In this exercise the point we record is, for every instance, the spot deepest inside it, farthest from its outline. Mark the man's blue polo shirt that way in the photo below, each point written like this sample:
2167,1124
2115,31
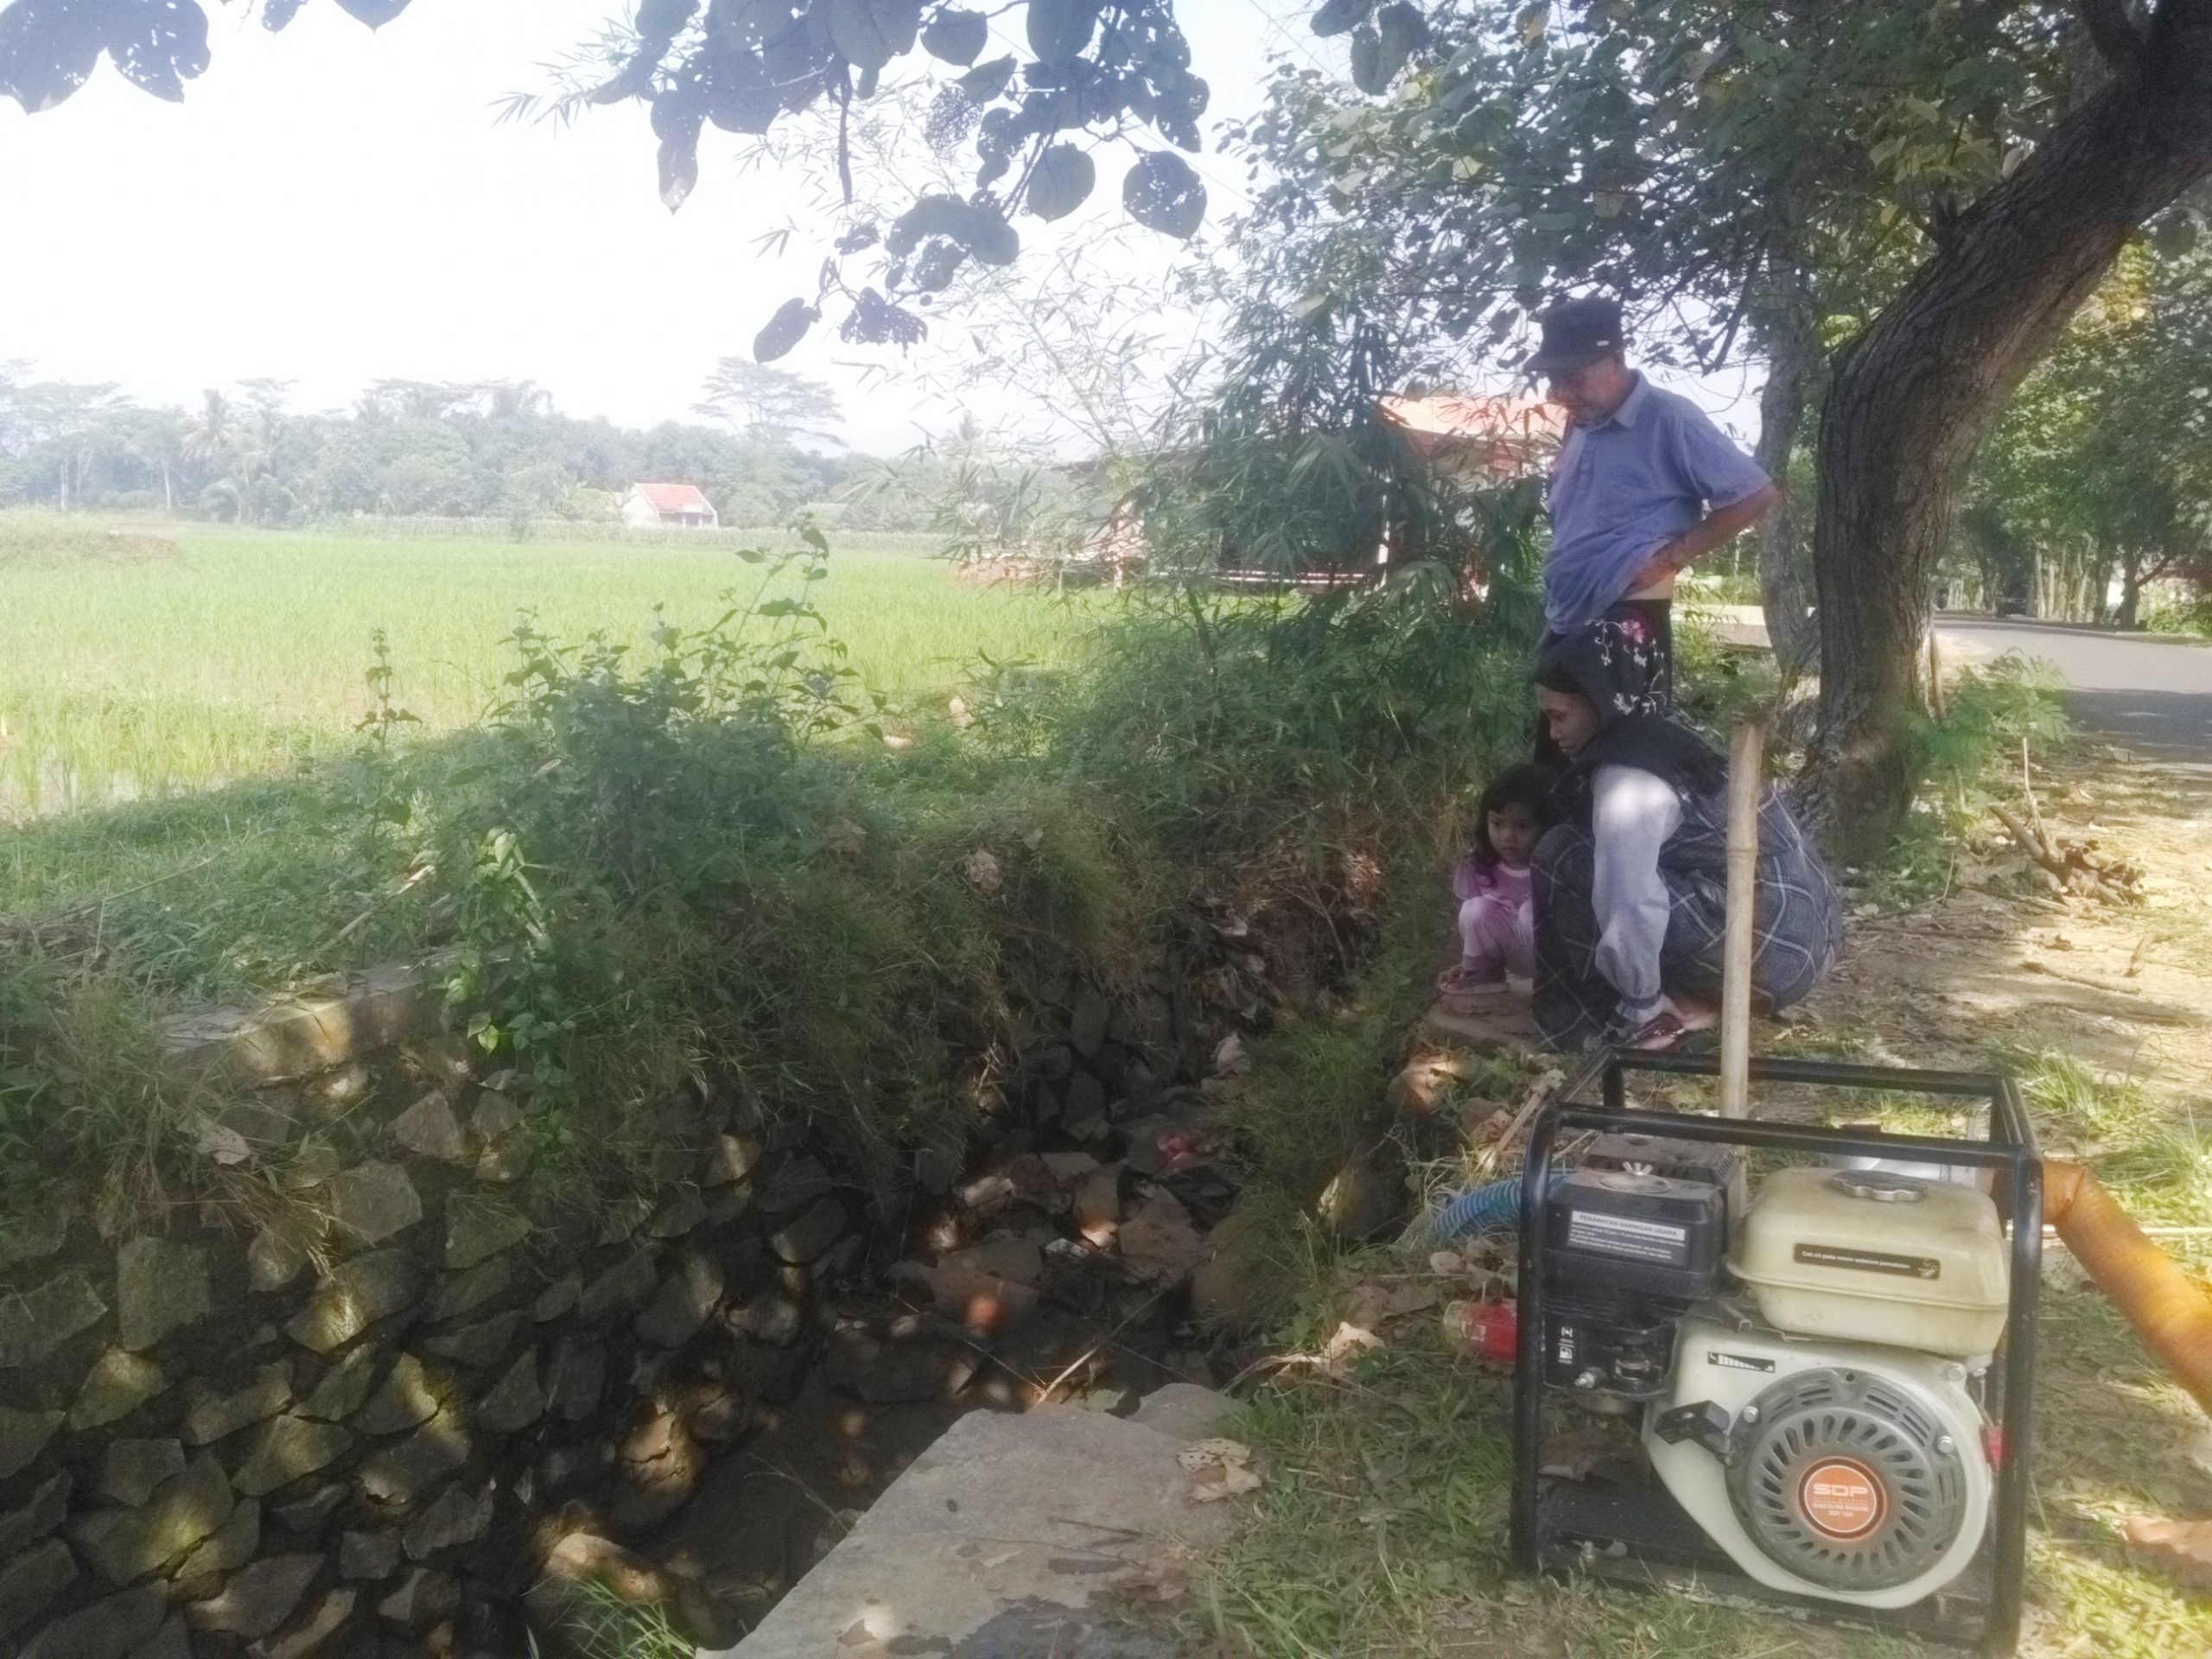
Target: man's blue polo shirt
1623,488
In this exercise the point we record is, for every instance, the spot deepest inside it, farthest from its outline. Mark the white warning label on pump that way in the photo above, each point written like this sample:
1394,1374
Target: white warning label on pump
1627,1236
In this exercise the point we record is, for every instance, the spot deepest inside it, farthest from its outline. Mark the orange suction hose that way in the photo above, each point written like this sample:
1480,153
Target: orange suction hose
2171,1314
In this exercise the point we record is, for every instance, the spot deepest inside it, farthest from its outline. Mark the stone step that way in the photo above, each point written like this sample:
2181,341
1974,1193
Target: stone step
1006,1539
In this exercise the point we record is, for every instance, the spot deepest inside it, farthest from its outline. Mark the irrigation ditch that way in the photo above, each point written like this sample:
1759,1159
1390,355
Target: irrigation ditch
373,1388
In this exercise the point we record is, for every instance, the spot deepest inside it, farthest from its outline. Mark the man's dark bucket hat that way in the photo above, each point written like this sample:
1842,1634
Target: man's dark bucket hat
1577,332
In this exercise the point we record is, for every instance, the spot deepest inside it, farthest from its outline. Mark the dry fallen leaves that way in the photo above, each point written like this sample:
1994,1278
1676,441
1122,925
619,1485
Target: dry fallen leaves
221,1142
1346,1343
1374,1304
1218,1468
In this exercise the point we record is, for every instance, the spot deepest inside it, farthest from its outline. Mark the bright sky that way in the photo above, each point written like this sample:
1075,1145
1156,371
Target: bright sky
334,207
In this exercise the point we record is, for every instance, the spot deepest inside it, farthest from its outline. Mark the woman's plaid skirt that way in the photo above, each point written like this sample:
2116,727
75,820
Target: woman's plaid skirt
1797,930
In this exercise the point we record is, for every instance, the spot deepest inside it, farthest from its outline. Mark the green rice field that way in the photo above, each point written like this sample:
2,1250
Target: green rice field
138,661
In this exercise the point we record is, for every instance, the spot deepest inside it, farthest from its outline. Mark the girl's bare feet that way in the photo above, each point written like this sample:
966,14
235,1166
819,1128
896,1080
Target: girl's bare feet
1461,985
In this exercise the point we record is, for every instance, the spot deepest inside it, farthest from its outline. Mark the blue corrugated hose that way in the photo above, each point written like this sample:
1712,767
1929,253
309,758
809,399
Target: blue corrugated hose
1478,1210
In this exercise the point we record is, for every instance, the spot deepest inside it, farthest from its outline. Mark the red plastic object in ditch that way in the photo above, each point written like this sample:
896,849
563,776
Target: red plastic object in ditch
1484,1331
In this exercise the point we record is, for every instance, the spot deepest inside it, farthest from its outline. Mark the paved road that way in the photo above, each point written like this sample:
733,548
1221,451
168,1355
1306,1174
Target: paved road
2151,693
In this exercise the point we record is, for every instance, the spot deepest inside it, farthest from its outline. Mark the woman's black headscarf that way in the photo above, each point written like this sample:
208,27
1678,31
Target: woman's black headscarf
1617,664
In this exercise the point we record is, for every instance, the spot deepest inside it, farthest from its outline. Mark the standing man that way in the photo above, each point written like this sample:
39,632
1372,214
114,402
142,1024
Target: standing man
1643,484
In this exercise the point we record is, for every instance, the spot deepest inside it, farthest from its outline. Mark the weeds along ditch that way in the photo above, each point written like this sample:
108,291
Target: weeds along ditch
721,850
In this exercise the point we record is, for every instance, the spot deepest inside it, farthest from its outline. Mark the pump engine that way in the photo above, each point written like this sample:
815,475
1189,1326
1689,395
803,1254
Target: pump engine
1806,1360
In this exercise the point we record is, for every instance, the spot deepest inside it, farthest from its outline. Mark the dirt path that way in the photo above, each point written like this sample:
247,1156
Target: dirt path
2126,989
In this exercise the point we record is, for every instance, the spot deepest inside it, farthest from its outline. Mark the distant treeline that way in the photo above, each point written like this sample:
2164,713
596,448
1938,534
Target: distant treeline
495,451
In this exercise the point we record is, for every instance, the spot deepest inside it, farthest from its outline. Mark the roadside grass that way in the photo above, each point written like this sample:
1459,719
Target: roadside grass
137,665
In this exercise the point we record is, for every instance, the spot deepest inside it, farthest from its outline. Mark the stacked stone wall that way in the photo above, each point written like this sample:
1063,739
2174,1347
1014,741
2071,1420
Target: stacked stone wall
347,1399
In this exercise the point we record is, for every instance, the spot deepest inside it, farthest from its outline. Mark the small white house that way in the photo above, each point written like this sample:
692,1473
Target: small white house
670,507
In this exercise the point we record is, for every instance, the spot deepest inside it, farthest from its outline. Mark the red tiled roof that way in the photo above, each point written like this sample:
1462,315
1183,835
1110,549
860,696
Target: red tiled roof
674,498
1447,416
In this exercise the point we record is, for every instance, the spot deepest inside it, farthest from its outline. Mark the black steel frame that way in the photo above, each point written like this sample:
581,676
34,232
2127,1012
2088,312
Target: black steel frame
1989,1621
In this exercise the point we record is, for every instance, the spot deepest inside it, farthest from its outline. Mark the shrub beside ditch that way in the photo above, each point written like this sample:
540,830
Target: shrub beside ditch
711,854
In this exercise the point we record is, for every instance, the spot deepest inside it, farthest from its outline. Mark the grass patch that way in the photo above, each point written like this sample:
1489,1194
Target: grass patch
2159,1168
600,1624
1382,1530
134,665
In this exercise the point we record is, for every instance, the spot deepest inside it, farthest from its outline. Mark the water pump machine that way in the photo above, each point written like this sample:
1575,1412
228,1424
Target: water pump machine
1822,1338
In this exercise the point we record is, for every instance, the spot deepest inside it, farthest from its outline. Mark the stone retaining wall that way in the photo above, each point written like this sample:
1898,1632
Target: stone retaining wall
347,1399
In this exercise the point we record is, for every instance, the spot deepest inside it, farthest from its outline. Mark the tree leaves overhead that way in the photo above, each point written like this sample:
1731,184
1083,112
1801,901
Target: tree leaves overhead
1061,182
871,33
785,330
375,13
1061,29
986,81
48,48
978,227
1163,194
1337,15
958,36
742,65
1381,49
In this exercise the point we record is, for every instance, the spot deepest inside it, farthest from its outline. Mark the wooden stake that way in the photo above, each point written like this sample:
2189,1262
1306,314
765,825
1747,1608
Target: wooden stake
1743,789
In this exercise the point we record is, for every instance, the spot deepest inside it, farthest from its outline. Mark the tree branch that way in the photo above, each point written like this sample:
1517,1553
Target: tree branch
2114,33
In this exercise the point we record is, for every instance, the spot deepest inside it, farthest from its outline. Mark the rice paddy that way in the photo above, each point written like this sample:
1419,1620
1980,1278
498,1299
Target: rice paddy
151,661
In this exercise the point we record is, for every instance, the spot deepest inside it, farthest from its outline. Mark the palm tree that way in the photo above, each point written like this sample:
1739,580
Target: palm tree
207,435
515,399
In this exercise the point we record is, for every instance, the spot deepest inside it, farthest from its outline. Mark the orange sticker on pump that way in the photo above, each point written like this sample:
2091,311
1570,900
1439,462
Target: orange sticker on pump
1841,1499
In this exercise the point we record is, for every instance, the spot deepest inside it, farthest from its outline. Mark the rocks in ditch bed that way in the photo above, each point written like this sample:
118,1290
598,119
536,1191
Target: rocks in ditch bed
119,1384
457,1517
127,1545
215,1415
886,1369
422,1599
802,1240
259,1597
356,1294
373,1201
660,1465
287,1447
31,1581
161,1286
111,1629
131,1469
39,1515
679,1309
35,1322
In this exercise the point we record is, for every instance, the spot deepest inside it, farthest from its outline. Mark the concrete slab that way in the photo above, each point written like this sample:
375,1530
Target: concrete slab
1182,1411
1003,1541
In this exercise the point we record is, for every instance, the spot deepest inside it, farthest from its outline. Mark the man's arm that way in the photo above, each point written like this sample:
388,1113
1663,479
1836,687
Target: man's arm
1717,529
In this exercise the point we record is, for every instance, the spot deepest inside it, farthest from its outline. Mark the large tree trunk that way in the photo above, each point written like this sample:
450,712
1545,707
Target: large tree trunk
1787,335
1913,395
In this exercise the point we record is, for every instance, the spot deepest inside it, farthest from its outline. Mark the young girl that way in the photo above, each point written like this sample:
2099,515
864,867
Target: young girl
1497,925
